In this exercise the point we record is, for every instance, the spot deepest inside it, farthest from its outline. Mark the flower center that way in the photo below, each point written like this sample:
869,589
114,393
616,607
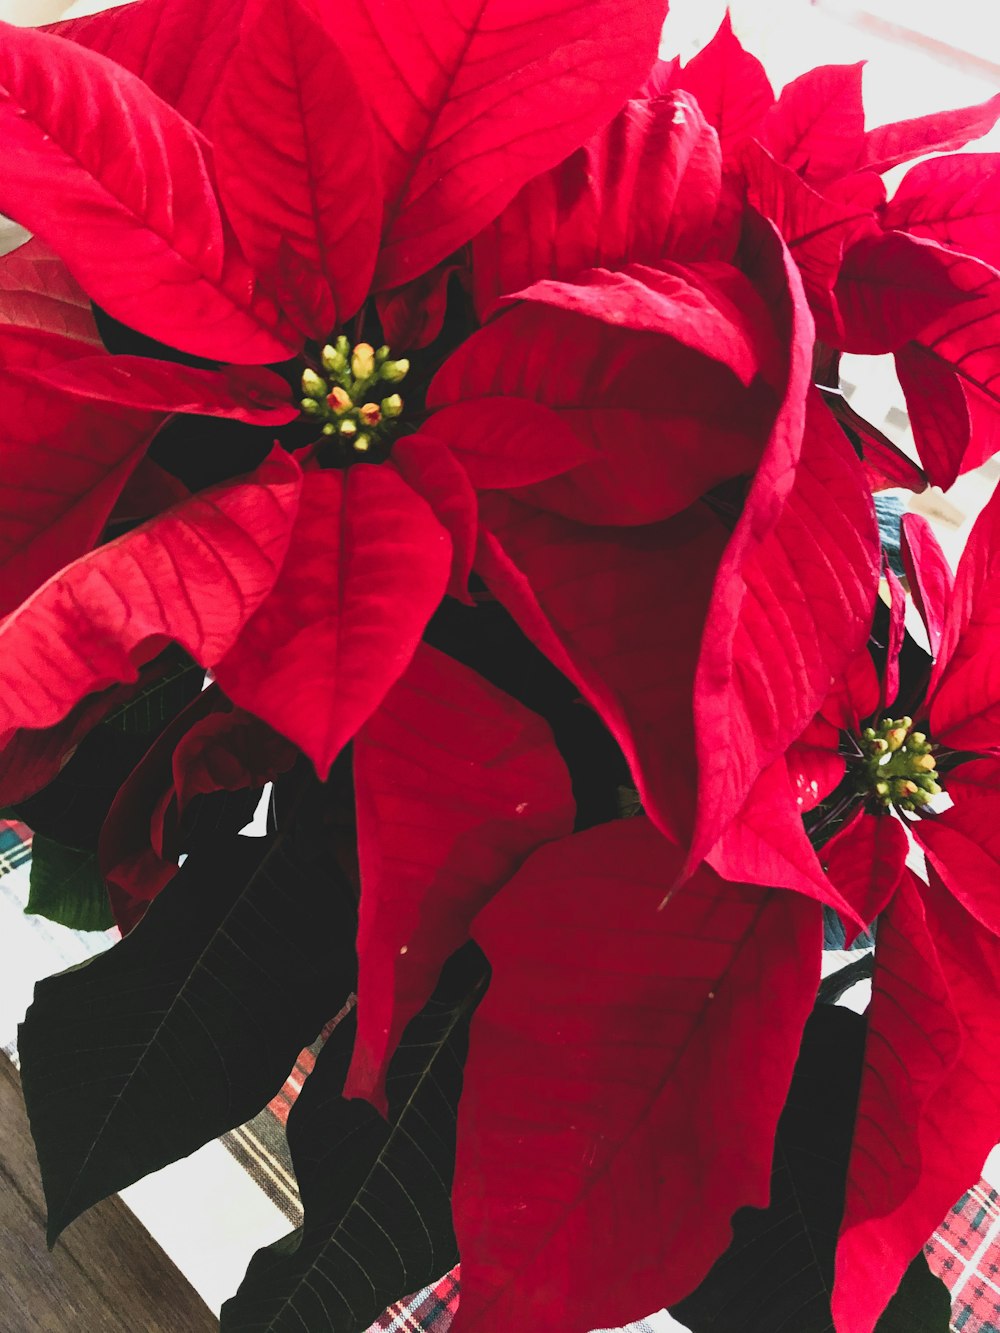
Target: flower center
897,765
346,396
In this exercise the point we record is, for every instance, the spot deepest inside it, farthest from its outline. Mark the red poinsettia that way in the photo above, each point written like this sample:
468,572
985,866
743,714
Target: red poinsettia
240,249
921,769
914,276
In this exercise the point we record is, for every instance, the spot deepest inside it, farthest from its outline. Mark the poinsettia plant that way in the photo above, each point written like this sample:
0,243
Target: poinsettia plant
432,418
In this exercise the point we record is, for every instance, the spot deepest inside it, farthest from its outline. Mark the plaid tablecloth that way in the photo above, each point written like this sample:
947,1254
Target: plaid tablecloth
964,1251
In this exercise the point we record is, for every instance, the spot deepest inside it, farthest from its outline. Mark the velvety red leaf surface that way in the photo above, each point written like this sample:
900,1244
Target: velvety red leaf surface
430,468
890,288
963,842
767,844
731,86
938,410
866,860
149,490
652,454
242,393
579,1163
296,161
816,127
885,464
120,184
367,566
37,292
964,689
65,464
456,783
620,612
502,441
473,98
193,575
413,315
927,1114
888,146
228,751
928,574
954,199
900,1159
152,38
710,308
795,588
962,343
643,189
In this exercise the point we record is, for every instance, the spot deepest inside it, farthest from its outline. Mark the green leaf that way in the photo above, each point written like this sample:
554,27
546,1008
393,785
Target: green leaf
190,1025
67,887
376,1195
151,708
778,1271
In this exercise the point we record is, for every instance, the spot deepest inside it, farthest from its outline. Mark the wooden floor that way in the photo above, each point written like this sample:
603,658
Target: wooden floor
105,1274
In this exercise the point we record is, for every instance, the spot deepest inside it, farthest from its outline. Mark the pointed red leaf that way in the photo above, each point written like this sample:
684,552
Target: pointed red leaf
366,568
153,38
651,456
412,315
817,126
149,491
766,844
193,575
473,98
456,784
243,393
866,860
731,87
794,591
902,1167
586,1058
816,229
642,190
431,469
938,411
889,145
928,574
963,691
953,199
890,288
885,464
963,842
815,765
962,343
37,292
897,632
295,152
121,185
65,464
661,78
711,308
584,595
228,751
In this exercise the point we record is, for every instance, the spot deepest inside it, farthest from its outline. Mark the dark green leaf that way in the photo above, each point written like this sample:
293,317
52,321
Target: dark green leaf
189,1025
778,1271
67,887
376,1195
152,707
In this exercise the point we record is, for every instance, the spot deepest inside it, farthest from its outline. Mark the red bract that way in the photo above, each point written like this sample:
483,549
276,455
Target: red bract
808,164
921,1035
563,1124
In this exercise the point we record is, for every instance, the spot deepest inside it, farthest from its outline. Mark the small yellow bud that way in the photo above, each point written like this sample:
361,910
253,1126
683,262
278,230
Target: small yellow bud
339,400
370,414
895,738
905,722
310,407
926,762
329,428
362,444
334,361
882,788
363,361
381,354
394,371
392,406
348,426
313,385
931,787
917,739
